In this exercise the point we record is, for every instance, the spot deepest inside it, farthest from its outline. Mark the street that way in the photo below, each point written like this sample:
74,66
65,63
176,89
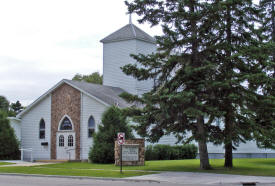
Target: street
7,180
15,180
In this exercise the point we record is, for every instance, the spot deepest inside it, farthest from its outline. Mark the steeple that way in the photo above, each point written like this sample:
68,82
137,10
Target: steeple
130,19
129,32
117,48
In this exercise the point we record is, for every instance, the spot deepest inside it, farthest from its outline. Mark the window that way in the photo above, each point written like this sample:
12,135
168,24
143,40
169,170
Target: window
91,126
70,141
66,124
42,129
61,141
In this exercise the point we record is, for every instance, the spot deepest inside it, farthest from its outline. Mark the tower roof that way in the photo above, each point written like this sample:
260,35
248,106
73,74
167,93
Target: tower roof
129,31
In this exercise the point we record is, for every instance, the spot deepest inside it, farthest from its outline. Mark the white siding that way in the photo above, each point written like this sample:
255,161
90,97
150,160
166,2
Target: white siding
248,147
144,48
16,125
89,107
30,129
116,55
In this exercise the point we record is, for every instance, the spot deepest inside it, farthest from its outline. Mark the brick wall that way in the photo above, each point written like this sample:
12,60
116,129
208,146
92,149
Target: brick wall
141,152
66,100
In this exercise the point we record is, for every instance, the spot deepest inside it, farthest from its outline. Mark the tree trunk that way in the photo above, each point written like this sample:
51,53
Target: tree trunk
228,158
204,160
229,115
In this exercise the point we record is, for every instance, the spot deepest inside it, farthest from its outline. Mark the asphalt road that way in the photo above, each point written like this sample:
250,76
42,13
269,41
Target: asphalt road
15,180
51,181
7,180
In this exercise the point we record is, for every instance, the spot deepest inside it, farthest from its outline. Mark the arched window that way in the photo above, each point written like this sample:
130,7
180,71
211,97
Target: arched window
61,141
66,124
42,129
91,126
70,141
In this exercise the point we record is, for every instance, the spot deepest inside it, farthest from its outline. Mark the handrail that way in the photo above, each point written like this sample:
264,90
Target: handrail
28,150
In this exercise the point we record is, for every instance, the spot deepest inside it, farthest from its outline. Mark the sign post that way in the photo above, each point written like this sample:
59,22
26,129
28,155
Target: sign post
120,141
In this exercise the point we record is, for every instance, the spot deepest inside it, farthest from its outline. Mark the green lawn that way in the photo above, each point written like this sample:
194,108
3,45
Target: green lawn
5,163
71,172
257,167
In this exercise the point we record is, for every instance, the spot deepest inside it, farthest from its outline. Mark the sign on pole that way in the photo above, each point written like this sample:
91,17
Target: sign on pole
120,141
121,138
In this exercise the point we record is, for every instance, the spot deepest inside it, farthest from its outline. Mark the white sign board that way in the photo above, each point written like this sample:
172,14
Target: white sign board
120,138
130,153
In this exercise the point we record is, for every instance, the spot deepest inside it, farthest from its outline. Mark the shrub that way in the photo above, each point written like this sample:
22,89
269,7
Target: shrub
167,152
9,146
113,121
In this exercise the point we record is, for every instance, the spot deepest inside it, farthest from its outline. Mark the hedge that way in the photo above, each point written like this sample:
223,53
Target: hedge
167,152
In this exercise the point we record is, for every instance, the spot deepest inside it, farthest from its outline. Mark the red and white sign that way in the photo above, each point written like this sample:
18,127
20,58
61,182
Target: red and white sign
120,138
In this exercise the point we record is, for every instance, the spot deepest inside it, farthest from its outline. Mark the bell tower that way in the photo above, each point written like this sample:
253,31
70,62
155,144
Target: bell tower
117,48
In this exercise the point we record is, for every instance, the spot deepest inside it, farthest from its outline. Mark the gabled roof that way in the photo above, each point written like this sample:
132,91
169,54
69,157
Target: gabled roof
129,31
106,95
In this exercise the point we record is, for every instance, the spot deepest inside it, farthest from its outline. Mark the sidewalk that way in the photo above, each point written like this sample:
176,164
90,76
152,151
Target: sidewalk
19,163
187,178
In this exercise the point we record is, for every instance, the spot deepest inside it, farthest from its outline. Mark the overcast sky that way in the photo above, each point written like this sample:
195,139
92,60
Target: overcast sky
45,41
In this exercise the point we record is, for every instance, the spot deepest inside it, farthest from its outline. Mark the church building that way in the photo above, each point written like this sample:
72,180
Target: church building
60,123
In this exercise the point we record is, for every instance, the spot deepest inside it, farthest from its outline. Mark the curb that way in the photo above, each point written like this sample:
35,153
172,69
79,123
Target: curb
79,177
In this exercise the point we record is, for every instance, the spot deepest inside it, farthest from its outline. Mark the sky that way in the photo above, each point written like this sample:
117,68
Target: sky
45,41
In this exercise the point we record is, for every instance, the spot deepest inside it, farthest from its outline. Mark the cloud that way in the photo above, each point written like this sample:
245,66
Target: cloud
43,42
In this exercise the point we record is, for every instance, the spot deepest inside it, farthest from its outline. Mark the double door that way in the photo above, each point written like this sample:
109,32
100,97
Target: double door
65,146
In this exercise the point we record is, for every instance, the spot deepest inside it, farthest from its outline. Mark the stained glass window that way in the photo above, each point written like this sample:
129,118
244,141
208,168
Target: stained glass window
66,124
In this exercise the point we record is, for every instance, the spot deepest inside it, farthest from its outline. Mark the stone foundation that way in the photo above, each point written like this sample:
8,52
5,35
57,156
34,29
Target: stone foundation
141,151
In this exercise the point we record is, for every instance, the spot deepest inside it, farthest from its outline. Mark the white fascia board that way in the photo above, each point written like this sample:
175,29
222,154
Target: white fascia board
39,99
14,118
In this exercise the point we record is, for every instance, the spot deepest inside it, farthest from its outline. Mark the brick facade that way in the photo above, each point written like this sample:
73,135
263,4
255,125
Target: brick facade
66,100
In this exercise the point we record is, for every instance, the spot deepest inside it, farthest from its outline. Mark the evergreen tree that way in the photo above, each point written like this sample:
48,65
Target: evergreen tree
9,147
207,62
4,104
265,106
237,58
113,121
182,98
16,107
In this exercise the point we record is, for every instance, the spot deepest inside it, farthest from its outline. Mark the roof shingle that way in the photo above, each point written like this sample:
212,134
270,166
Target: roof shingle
129,31
107,94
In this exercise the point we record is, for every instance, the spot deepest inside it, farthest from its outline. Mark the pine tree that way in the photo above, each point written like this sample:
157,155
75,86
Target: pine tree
9,146
182,98
113,121
209,59
265,106
16,107
237,67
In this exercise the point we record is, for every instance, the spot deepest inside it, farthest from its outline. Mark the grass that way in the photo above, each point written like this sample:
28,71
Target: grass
71,172
255,167
5,163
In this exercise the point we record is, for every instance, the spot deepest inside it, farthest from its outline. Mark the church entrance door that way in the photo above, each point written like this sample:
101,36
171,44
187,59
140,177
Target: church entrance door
65,140
65,147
